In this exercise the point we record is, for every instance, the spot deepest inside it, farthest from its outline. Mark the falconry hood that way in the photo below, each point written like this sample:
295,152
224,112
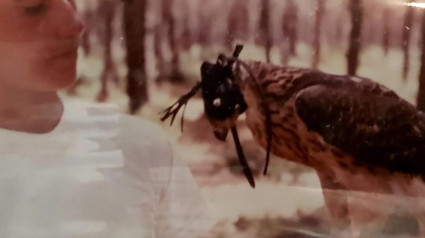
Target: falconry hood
223,100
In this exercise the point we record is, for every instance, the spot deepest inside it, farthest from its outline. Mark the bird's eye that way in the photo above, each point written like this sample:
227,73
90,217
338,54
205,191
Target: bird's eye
217,102
229,81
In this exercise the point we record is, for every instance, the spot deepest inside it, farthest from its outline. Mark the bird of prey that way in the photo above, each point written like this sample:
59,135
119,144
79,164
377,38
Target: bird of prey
366,144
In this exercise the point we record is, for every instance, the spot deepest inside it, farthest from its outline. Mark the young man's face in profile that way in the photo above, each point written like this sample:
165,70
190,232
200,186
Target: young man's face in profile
38,44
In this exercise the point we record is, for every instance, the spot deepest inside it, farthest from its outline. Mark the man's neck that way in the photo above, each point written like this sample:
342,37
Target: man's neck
32,112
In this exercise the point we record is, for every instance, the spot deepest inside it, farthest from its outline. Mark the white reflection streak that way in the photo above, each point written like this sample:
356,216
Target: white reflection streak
415,4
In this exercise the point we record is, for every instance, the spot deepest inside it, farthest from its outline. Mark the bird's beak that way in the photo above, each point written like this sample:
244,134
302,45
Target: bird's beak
221,133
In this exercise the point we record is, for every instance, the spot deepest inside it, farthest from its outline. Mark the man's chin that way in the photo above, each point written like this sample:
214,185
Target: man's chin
56,83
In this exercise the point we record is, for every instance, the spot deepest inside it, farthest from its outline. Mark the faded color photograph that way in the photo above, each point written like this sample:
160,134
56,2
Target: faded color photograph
212,118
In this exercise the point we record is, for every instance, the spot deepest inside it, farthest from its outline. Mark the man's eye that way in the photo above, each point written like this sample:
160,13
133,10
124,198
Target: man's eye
35,10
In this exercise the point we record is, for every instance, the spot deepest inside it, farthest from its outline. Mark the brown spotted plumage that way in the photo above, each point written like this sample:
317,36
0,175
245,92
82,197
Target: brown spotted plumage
366,144
360,137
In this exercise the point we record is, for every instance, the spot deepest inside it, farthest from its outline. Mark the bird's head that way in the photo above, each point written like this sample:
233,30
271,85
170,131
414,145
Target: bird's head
223,100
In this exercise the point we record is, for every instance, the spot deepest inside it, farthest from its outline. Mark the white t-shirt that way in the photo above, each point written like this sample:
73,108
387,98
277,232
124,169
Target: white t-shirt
98,174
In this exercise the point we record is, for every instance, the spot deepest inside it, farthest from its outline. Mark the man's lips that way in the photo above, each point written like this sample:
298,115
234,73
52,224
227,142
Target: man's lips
64,49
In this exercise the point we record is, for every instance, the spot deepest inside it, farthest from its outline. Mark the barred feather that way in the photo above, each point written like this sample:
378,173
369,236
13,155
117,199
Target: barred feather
357,134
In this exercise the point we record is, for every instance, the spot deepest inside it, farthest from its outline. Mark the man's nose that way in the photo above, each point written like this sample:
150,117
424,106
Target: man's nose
66,20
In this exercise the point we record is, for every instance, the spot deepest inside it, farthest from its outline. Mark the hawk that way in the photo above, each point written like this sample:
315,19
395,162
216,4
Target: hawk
366,144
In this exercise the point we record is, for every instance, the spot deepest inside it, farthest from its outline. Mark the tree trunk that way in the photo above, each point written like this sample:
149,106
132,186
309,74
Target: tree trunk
167,15
293,21
405,44
355,7
134,31
386,31
205,25
339,31
237,23
88,17
317,32
289,31
265,34
421,93
157,47
158,32
107,13
186,37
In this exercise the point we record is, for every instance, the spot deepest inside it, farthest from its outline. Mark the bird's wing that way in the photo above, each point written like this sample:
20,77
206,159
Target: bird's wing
375,129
